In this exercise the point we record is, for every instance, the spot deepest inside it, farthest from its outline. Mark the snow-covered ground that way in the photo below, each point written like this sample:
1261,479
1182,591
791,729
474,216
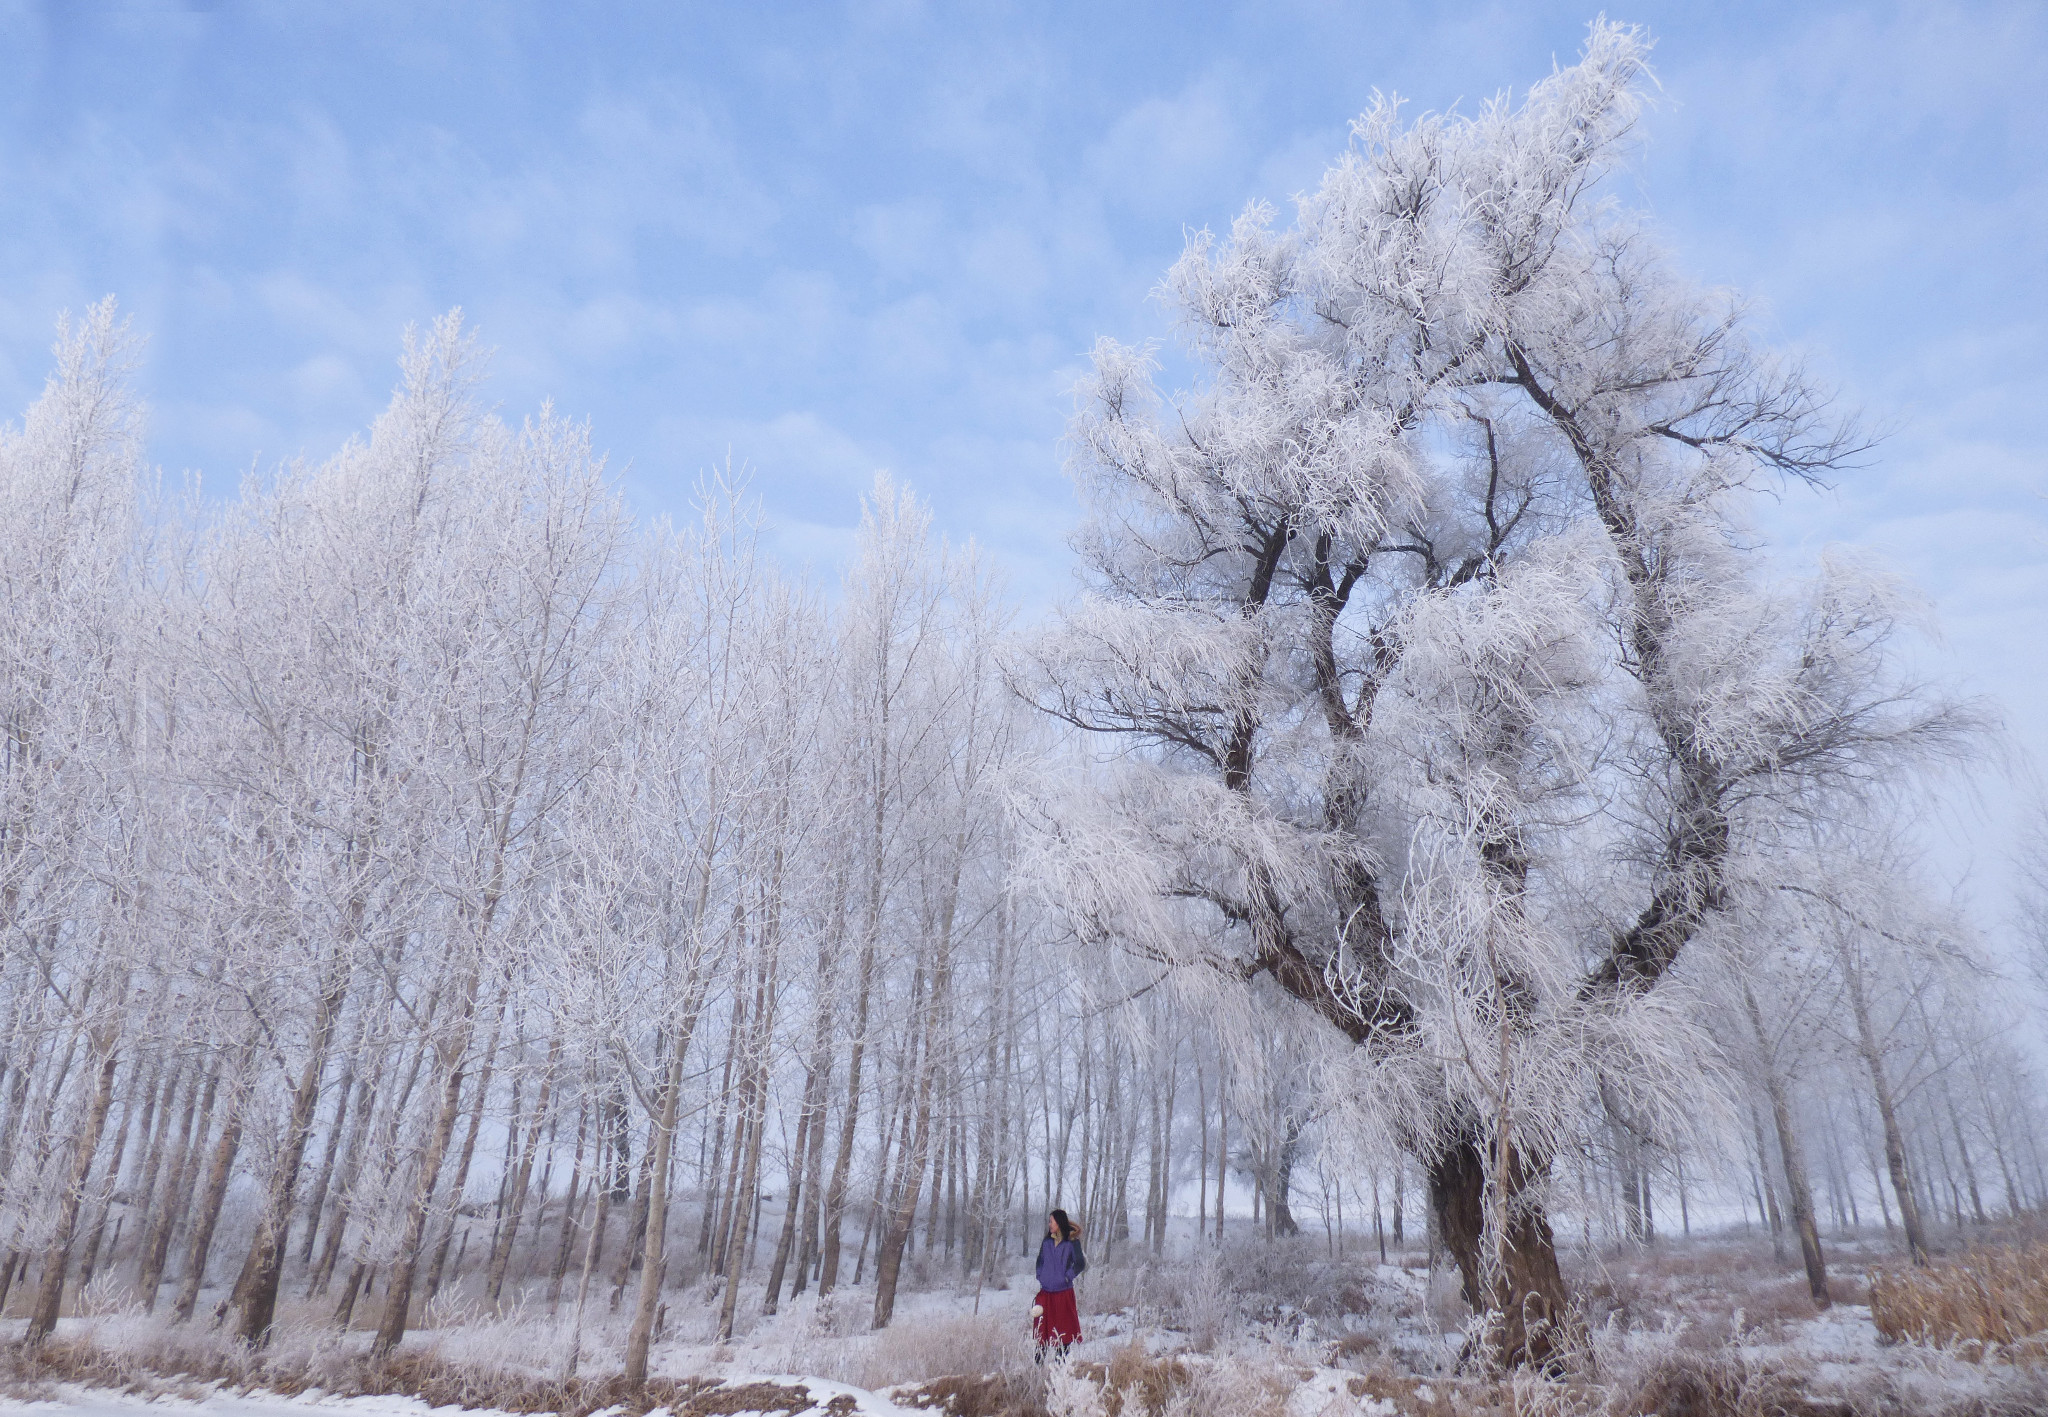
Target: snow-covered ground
75,1401
1278,1331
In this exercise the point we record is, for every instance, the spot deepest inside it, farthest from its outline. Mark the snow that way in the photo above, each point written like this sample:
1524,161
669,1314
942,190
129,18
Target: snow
74,1401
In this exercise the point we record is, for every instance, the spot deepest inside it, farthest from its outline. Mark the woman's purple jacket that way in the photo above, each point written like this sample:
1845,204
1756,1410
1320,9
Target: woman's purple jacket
1059,1262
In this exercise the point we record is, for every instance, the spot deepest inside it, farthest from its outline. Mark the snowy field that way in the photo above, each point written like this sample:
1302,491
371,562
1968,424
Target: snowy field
1282,1331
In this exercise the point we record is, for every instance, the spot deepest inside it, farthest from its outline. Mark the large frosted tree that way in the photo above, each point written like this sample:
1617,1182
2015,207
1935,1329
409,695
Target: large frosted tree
1467,694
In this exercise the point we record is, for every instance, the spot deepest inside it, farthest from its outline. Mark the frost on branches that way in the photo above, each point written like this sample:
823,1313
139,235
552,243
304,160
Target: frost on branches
1470,702
414,824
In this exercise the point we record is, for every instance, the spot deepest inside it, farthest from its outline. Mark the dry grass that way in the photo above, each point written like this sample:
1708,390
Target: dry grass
1136,1384
919,1351
168,1369
1718,1384
1712,1289
979,1395
1133,1383
1988,1300
1421,1397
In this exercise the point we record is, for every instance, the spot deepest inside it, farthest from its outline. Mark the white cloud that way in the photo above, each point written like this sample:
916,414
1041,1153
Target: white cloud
1162,158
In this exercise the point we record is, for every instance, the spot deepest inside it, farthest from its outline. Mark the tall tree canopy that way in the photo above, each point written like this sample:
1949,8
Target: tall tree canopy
1471,698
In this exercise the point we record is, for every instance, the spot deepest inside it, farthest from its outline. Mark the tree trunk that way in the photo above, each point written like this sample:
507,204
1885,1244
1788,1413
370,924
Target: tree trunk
1767,1195
1524,1295
814,1176
190,1136
1887,1111
753,1114
1801,1191
889,1257
564,1246
316,1199
110,1180
522,1174
660,1145
56,1259
1222,1146
265,1264
460,1181
209,1207
1282,1213
1963,1151
143,1197
398,1288
786,1240
1794,1157
1202,1170
591,1250
835,1193
714,1195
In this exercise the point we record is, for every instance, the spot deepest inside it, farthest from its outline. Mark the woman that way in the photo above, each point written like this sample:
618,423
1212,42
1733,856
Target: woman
1055,1322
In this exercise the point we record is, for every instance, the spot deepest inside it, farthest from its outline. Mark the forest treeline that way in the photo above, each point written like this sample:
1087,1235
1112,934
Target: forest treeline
416,877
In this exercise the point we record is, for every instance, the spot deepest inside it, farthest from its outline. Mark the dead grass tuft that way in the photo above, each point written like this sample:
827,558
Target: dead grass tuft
1409,1395
1138,1384
1351,1347
748,1397
1988,1299
979,1395
1722,1384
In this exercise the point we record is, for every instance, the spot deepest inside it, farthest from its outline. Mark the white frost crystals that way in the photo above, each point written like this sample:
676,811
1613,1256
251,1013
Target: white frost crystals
424,893
1463,693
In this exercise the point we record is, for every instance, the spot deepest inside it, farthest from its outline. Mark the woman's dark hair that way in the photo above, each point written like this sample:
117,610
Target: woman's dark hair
1067,1227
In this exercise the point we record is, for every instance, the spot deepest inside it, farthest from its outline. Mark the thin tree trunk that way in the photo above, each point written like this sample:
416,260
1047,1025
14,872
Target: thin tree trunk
265,1263
516,1184
786,1240
1223,1151
565,1245
590,1254
210,1199
42,1319
1794,1159
1202,1171
110,1180
753,1115
460,1181
660,1145
1887,1112
143,1199
714,1196
191,1135
898,1220
398,1288
1963,1151
835,1193
316,1199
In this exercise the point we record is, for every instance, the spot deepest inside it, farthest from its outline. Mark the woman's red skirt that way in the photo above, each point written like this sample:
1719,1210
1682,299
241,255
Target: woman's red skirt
1058,1320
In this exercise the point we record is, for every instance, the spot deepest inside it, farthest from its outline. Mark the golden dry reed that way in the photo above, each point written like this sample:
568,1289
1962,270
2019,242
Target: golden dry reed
1984,1298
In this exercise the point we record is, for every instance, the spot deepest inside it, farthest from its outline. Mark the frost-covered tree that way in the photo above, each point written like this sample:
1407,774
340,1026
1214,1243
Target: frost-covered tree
1435,601
77,860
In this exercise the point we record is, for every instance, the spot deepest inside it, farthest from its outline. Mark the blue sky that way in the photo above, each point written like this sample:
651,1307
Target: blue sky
825,239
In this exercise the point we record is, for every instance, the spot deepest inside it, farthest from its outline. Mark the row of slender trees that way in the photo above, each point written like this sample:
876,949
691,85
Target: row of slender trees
413,819
417,876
